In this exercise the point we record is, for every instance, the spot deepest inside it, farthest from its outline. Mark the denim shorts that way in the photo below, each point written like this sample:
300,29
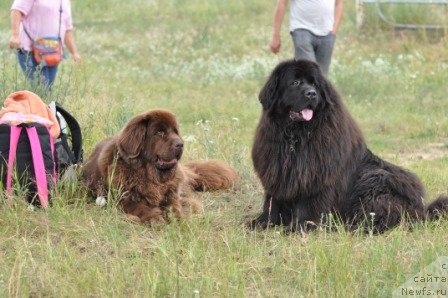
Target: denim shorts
313,47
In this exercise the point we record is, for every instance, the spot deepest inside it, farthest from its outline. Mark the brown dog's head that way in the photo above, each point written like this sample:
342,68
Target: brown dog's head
153,138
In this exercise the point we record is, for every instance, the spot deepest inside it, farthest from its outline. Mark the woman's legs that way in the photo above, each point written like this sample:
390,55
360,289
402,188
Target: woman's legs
45,74
48,75
27,63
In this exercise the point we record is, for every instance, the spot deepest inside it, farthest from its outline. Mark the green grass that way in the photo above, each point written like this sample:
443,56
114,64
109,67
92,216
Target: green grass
206,61
426,14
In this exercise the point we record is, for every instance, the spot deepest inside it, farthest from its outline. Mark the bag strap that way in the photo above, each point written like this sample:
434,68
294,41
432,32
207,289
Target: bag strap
75,131
39,166
68,150
59,29
53,156
13,142
24,29
60,20
26,32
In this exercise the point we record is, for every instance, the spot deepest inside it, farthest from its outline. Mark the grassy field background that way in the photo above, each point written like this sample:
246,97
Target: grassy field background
206,61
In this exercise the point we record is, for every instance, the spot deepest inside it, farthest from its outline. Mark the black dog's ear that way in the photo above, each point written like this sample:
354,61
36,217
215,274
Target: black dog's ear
269,92
131,139
327,91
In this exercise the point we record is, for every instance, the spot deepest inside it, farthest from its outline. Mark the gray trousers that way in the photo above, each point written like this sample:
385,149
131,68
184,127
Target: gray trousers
313,47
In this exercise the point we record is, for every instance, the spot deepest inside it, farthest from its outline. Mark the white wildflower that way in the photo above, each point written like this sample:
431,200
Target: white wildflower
190,139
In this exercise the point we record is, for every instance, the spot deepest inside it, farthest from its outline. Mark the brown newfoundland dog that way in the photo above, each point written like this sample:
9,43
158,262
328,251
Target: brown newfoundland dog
312,160
143,162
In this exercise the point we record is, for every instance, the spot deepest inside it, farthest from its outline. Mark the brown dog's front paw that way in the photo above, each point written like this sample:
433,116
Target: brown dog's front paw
130,197
191,205
174,212
152,216
145,214
133,218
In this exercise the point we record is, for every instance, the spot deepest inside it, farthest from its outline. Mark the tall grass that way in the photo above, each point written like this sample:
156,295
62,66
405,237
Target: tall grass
206,61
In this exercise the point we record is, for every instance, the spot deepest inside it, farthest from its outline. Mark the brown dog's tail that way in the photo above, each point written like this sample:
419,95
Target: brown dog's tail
438,208
209,175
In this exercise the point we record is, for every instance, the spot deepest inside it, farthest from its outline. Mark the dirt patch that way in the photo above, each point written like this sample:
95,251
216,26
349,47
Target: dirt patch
430,152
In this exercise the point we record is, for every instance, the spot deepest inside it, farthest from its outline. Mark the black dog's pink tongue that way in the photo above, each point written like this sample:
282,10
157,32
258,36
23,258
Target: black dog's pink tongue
307,114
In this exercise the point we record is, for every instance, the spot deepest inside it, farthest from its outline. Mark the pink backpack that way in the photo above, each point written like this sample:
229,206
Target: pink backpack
29,149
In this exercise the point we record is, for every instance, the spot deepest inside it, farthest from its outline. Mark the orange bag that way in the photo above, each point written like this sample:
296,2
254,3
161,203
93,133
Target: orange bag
47,51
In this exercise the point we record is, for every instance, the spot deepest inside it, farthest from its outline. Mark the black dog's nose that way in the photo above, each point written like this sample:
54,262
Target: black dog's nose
311,94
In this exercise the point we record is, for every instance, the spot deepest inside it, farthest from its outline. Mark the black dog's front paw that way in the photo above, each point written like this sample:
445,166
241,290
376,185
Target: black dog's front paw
258,223
303,227
263,222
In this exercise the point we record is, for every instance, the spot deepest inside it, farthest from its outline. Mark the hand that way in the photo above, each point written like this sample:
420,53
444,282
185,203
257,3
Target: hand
14,42
76,57
275,44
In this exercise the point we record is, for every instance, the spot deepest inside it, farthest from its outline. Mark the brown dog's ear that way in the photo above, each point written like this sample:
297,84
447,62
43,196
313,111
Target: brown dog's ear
132,138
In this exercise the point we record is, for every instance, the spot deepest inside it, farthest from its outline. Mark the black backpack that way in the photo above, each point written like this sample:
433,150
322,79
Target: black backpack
69,143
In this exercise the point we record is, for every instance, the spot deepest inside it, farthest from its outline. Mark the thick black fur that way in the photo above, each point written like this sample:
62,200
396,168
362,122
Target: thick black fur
312,168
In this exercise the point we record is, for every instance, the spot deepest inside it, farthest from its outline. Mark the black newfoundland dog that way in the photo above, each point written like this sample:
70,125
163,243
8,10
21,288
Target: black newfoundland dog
312,160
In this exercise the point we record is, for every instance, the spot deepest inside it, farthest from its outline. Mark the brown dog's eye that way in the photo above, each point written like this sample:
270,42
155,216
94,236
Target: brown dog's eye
160,133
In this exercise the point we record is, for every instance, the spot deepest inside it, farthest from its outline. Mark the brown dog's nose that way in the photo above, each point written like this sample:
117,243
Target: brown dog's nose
178,144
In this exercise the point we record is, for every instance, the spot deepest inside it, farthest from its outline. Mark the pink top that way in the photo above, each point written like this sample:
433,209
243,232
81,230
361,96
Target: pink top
41,19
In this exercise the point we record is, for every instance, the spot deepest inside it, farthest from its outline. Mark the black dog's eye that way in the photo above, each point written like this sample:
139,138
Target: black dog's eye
296,83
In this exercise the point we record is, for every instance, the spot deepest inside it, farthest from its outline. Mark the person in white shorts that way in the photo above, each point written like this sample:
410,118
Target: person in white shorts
313,25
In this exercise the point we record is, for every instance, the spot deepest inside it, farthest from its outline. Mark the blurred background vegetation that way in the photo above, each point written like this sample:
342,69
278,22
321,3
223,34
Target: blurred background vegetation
206,61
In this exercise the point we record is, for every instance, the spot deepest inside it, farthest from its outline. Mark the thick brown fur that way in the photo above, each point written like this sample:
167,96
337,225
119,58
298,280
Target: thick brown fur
312,160
143,162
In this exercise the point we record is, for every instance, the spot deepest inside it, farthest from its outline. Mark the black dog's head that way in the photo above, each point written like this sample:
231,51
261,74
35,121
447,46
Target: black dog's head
296,89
